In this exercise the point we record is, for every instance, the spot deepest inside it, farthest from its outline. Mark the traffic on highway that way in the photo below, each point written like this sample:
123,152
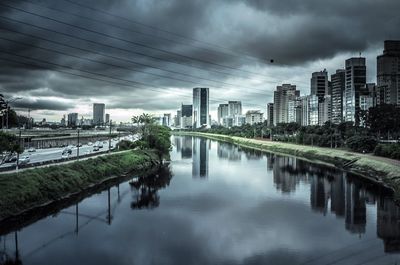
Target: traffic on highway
32,155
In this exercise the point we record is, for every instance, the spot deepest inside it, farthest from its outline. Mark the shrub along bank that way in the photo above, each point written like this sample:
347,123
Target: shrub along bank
31,188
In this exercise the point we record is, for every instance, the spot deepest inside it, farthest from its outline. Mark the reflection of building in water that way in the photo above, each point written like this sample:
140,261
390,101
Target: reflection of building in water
355,209
200,158
337,195
186,151
270,161
252,154
178,143
319,195
228,151
388,224
284,171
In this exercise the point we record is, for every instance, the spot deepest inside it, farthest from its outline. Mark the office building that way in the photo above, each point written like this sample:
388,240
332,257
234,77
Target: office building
166,119
309,110
282,95
200,114
270,114
320,84
107,118
254,116
223,111
338,87
72,119
239,120
355,82
186,120
324,110
234,108
294,110
98,113
178,118
388,73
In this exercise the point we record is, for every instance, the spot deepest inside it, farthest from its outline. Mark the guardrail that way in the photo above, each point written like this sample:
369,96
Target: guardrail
12,166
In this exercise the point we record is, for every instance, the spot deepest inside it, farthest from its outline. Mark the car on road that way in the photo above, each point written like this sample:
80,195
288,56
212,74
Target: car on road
64,155
96,148
11,159
31,150
24,160
67,151
79,145
90,144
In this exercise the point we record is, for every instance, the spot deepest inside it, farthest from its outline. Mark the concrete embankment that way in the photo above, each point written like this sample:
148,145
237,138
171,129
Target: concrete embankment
31,189
380,170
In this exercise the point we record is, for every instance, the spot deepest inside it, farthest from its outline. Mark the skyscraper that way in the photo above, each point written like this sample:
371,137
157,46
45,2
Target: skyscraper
319,84
201,107
234,108
388,73
223,111
107,118
270,114
98,113
72,119
338,86
282,95
187,119
355,82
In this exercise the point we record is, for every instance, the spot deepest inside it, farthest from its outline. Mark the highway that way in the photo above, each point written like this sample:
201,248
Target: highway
48,154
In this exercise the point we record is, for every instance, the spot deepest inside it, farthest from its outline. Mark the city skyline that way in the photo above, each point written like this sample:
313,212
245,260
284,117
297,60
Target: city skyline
50,94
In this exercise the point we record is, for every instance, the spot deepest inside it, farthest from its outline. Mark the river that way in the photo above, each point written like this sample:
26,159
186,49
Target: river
218,203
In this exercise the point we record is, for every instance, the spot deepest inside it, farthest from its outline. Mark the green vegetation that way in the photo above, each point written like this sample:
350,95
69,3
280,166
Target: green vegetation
30,188
388,150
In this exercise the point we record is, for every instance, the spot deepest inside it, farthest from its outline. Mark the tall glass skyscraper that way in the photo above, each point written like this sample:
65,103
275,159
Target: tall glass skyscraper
201,107
98,113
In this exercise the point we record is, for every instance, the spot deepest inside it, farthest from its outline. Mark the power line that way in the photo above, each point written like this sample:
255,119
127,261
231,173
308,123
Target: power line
135,83
118,48
119,59
132,42
159,29
140,32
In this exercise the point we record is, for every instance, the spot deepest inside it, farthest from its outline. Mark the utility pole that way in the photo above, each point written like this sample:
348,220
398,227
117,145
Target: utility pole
19,143
77,151
109,138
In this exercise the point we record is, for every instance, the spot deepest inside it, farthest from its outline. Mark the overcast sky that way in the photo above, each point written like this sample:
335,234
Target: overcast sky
61,57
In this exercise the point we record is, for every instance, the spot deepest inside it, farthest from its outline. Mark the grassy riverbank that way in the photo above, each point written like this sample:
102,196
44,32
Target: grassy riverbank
35,187
378,169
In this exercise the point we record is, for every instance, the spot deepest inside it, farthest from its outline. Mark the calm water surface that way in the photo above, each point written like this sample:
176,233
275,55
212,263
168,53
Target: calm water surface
220,204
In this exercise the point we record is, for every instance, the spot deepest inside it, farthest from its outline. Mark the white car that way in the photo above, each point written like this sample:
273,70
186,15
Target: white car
24,160
90,143
31,150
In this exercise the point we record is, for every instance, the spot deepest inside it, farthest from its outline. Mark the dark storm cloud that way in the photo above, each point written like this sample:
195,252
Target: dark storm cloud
39,104
293,33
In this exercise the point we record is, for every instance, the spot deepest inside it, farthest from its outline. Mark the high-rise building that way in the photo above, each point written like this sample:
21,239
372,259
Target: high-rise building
107,118
72,119
223,111
270,114
63,121
282,95
254,116
166,119
324,110
178,118
320,84
234,108
388,73
355,82
98,113
294,110
309,110
187,119
338,86
201,107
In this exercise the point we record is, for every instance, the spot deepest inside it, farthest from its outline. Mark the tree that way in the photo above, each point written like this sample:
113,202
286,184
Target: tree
9,146
384,119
